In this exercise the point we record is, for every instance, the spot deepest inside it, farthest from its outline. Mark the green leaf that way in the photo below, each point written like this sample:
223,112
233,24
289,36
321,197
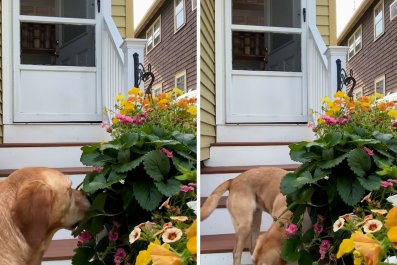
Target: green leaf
359,162
383,137
128,140
332,139
169,188
157,165
350,189
305,258
181,164
333,162
124,156
115,146
328,154
99,202
147,194
289,250
288,184
298,146
298,156
304,178
90,159
371,183
114,177
125,167
189,140
98,182
392,145
83,255
382,162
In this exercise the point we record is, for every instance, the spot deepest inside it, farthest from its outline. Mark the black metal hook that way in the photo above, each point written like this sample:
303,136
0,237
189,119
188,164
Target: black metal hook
140,74
344,79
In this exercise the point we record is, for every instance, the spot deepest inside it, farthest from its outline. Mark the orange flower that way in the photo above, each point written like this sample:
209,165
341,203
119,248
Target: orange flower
162,256
382,106
368,247
183,103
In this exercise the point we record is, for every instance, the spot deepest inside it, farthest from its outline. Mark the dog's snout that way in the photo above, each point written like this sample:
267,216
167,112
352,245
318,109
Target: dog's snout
81,200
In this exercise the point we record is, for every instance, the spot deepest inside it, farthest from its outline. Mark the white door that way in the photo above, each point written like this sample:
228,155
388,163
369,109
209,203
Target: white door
265,61
56,62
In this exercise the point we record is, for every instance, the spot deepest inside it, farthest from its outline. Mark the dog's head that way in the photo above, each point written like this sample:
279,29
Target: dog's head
45,203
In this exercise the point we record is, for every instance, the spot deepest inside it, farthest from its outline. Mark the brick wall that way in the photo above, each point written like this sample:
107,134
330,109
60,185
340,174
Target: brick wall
378,57
177,51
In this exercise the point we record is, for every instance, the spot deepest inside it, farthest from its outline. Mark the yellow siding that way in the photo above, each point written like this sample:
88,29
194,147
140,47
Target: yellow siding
326,20
1,82
122,13
207,74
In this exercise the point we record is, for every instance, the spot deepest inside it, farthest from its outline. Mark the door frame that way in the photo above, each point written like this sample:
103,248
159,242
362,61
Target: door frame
223,50
15,20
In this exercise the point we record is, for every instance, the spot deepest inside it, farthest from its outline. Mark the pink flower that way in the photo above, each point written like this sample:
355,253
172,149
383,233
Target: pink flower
318,228
192,184
125,119
386,184
167,152
119,256
329,120
113,236
368,151
320,218
310,125
116,224
394,181
97,169
185,188
324,247
84,237
291,229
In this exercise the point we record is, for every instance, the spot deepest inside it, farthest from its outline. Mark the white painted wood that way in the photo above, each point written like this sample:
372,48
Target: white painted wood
17,157
57,262
64,96
57,20
264,133
319,43
7,67
213,225
54,133
114,35
248,155
224,259
266,99
264,29
220,67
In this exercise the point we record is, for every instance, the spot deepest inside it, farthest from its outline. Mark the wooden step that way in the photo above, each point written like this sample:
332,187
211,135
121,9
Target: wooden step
19,145
218,244
240,169
66,171
60,250
250,143
221,203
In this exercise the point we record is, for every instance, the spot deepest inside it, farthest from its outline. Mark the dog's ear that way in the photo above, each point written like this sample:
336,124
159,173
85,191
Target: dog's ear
31,211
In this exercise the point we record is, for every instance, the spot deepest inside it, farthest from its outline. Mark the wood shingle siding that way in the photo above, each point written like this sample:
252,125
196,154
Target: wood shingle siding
207,76
326,20
378,57
177,51
1,78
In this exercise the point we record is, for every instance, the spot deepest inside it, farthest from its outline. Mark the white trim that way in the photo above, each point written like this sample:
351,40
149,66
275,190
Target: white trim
151,31
220,77
353,37
383,20
266,73
184,16
357,91
194,7
7,63
179,75
57,68
57,20
158,86
250,28
381,78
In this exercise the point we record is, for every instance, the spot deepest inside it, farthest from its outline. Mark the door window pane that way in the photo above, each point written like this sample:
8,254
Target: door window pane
57,44
275,13
266,52
59,8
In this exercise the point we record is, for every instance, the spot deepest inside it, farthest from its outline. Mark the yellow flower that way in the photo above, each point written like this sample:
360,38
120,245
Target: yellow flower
192,230
162,256
325,100
336,108
378,95
120,97
339,94
320,121
192,110
368,247
392,113
391,218
128,105
115,120
358,258
177,91
143,258
163,101
134,91
392,234
345,247
191,245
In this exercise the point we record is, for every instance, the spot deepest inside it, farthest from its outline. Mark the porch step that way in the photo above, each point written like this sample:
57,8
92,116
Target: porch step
57,156
246,155
221,243
263,133
60,250
219,258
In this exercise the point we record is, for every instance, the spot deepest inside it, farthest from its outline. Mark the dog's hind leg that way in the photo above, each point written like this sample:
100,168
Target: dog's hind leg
256,225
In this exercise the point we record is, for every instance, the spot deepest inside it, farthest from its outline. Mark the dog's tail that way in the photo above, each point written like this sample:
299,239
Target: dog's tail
212,201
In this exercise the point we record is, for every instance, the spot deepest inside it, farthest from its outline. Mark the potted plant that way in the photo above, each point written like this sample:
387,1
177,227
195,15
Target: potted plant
354,152
142,184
